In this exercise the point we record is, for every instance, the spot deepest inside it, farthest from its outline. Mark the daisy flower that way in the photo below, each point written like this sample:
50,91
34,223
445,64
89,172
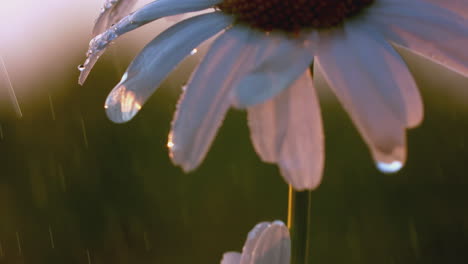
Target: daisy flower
260,61
267,243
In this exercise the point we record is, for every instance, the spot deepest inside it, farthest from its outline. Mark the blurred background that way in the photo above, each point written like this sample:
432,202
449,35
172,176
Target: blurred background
76,188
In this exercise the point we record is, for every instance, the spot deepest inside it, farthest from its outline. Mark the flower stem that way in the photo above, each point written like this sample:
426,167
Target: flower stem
299,207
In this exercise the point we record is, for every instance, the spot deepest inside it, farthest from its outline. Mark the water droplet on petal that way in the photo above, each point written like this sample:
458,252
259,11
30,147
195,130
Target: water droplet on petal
170,144
193,52
81,67
97,46
124,77
391,167
121,104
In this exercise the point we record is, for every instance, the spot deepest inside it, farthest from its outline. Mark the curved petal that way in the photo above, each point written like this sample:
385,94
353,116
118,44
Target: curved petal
433,32
366,76
264,130
206,100
267,243
280,63
302,155
288,130
273,246
142,16
251,241
231,258
158,59
458,6
408,104
112,12
164,8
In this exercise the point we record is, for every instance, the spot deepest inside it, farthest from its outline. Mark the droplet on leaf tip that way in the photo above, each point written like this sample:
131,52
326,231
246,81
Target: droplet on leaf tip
391,167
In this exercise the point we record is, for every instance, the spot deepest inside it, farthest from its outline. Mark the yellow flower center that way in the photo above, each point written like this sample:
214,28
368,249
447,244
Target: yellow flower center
293,15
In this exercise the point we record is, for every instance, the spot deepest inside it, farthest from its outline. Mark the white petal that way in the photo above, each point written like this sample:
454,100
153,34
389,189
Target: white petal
267,243
288,130
458,6
142,16
407,102
273,246
366,77
112,12
159,58
251,241
206,99
431,31
280,62
231,258
164,8
265,131
302,155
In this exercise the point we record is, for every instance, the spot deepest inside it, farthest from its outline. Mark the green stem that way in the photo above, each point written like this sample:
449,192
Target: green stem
298,223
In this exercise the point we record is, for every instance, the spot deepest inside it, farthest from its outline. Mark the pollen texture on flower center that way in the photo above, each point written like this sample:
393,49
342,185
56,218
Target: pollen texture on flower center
293,15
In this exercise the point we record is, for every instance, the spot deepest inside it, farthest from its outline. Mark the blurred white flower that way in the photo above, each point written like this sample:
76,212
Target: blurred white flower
267,243
261,62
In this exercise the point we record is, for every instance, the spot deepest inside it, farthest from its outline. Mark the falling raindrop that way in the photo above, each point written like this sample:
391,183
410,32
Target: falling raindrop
11,91
63,181
147,242
414,240
52,244
88,256
391,167
51,104
83,129
18,241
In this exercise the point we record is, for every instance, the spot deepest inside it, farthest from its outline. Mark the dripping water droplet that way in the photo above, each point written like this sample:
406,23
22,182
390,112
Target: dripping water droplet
391,167
122,104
